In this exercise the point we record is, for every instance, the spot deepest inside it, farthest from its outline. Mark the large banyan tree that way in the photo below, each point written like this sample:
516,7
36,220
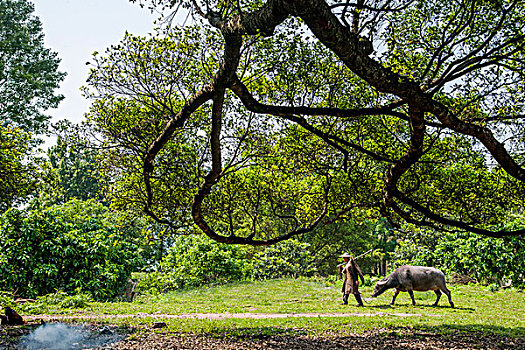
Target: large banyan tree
258,120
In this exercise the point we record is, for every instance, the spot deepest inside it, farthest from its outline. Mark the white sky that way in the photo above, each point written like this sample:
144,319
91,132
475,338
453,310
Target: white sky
75,29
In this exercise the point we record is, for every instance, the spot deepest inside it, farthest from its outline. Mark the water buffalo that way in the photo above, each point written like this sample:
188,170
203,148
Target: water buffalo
409,278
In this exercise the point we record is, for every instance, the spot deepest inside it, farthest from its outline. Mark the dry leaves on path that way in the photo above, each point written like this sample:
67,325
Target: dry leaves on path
371,340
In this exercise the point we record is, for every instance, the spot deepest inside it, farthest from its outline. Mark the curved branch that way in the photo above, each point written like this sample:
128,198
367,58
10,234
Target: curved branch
174,124
363,6
290,113
227,68
216,168
447,221
354,51
346,46
484,135
414,153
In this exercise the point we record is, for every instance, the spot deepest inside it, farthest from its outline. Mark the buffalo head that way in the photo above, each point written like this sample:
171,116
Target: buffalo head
380,288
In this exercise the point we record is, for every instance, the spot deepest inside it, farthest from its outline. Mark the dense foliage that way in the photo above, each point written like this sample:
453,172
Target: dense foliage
197,260
75,170
66,248
285,259
28,70
356,238
28,78
72,169
485,259
265,120
19,167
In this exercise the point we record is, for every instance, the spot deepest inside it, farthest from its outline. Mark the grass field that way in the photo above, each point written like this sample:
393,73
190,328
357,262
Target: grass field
477,310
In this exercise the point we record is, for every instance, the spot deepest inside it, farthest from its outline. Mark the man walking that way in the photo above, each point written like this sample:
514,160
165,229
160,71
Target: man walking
352,273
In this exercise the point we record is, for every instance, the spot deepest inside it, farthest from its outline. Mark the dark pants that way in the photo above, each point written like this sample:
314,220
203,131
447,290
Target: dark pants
357,298
356,295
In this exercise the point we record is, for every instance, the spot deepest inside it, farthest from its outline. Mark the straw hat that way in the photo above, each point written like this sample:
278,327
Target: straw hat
345,255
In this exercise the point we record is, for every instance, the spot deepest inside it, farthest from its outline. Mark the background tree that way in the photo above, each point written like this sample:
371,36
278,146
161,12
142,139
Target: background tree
28,70
316,111
28,77
19,167
73,170
330,241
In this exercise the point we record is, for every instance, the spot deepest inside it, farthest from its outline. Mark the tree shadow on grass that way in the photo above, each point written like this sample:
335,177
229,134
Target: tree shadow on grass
254,332
474,330
447,307
383,307
430,306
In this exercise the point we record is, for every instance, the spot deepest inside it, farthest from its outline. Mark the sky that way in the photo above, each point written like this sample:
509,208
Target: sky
77,28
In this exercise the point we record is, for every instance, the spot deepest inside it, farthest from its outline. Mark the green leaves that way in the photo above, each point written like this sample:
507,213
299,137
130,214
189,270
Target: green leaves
28,77
19,167
488,260
28,71
285,259
75,169
58,249
197,260
157,72
308,122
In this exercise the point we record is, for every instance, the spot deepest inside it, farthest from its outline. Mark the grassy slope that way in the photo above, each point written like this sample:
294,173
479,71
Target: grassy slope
477,309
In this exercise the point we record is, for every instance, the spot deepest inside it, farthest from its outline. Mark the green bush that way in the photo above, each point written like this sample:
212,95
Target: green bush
368,281
42,251
196,260
154,282
494,287
6,299
289,258
56,302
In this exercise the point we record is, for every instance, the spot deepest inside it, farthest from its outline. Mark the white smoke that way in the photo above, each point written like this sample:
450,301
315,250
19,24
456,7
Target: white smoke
59,336
53,336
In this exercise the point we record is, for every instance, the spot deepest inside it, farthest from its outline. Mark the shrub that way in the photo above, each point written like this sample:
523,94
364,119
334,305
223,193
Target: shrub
6,299
55,302
368,281
289,258
494,287
154,282
196,260
42,251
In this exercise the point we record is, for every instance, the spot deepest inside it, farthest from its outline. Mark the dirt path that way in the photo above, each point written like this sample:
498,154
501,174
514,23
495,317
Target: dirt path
217,316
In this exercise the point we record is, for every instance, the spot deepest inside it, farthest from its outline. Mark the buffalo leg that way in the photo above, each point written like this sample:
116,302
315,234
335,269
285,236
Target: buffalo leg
412,296
438,294
447,293
396,292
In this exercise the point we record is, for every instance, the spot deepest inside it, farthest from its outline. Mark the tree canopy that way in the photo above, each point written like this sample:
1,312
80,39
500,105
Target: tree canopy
264,119
72,169
19,176
28,70
28,77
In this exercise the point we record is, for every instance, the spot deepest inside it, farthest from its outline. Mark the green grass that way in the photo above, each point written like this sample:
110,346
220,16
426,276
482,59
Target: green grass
477,310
